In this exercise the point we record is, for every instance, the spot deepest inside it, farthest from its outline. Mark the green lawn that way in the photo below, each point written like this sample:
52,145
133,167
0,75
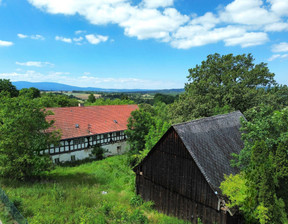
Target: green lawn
78,195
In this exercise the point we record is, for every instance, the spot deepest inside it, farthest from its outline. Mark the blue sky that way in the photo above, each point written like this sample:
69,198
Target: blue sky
146,44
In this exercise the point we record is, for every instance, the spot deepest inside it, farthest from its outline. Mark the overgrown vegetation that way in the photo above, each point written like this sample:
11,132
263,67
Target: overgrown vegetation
97,192
23,134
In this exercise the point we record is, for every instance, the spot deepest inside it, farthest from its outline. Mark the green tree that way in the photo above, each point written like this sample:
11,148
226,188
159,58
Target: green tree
91,98
139,124
222,84
56,100
23,135
31,92
6,87
264,168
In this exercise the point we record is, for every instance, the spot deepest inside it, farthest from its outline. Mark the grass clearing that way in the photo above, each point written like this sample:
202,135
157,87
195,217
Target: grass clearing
96,192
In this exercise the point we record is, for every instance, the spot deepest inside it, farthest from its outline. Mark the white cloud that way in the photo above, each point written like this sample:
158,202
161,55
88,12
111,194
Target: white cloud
151,23
248,39
195,35
77,32
34,37
4,43
63,39
157,3
35,63
276,27
282,47
96,39
157,19
279,7
37,37
20,35
78,39
275,56
247,12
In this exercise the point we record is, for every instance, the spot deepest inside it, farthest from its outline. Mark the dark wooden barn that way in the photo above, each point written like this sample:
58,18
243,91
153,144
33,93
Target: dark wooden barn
183,171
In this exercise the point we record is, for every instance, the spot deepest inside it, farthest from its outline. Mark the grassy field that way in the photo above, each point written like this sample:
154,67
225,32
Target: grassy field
96,192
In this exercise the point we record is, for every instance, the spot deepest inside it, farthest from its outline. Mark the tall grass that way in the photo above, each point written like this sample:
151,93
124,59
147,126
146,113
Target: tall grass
96,192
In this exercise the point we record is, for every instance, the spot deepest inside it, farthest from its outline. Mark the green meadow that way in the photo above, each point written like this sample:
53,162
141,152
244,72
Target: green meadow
96,192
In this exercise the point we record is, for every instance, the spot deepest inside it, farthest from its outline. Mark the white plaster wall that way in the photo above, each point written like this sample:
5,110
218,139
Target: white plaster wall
82,154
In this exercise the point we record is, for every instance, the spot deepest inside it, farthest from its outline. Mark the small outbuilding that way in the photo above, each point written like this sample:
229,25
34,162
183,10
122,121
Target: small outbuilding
183,171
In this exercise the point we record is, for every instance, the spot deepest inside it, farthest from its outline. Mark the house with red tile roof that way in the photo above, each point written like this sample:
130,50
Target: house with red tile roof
84,127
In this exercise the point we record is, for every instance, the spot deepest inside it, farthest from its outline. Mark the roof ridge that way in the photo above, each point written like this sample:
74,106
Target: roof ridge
203,119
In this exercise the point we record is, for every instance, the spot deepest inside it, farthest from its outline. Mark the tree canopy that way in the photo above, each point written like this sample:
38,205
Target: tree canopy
262,184
223,83
23,134
6,87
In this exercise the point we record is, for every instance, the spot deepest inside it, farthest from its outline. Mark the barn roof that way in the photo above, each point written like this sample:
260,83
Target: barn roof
211,141
84,121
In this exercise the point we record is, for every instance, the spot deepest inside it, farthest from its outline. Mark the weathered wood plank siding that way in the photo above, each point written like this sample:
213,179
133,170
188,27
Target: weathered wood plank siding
171,179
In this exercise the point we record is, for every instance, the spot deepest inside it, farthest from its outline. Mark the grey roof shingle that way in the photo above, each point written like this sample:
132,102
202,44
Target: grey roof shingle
210,141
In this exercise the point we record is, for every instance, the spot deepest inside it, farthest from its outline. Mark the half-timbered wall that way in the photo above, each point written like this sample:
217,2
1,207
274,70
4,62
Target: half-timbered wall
169,177
80,148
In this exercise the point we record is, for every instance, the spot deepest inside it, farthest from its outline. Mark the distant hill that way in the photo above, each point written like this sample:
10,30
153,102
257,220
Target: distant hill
53,86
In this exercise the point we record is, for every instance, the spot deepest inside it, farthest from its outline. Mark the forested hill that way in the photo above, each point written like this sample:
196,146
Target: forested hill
52,86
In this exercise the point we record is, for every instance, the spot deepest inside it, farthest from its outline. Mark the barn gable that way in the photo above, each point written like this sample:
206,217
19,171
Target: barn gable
183,171
211,141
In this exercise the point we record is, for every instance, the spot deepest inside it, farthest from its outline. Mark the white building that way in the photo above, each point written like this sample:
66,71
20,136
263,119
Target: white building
84,127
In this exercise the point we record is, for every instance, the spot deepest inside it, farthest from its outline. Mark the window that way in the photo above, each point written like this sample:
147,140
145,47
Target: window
73,158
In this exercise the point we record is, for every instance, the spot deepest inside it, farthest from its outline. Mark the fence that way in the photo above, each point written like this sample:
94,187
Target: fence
12,209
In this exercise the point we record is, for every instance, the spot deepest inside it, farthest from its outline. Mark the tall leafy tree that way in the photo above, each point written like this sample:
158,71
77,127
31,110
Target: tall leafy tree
91,98
30,93
23,135
6,87
223,83
139,124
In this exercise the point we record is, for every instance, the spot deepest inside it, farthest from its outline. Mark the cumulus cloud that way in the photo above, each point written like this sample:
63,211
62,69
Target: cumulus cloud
157,3
35,64
158,19
63,39
4,43
282,47
248,39
96,39
248,12
34,37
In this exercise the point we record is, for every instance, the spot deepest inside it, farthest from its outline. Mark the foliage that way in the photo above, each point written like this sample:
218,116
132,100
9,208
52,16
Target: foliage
164,98
6,87
138,126
264,165
91,98
98,152
23,135
56,100
75,195
102,101
30,93
222,84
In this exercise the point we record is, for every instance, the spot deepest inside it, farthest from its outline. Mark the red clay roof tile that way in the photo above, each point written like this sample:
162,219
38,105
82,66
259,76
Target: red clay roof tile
90,120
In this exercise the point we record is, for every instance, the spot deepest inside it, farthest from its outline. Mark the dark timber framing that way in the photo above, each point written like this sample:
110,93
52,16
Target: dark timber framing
85,142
